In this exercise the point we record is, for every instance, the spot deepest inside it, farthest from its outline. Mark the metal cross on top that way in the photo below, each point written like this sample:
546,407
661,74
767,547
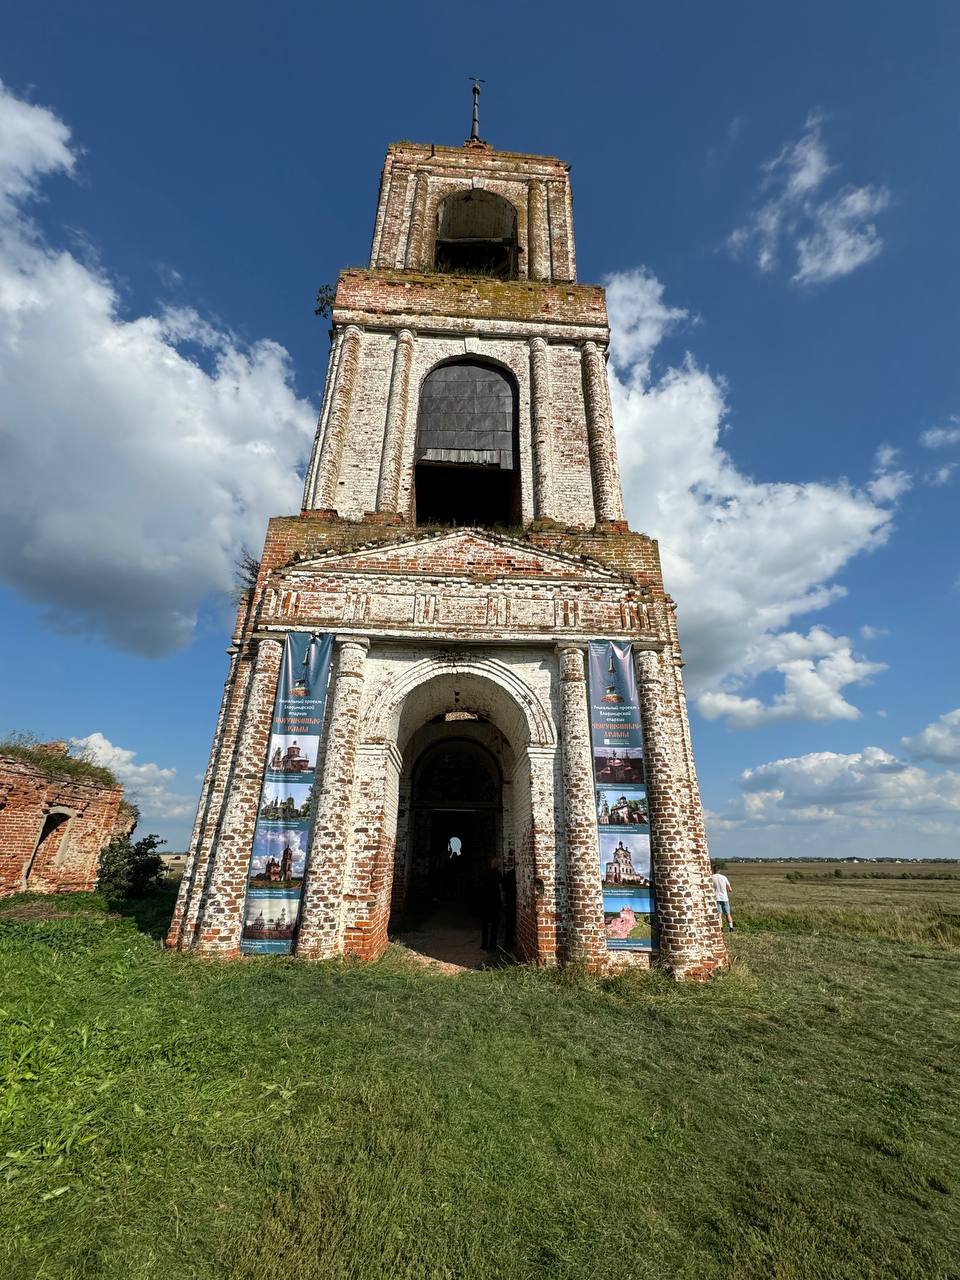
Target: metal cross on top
475,122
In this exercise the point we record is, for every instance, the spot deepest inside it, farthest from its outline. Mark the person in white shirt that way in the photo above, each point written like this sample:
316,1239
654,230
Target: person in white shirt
721,887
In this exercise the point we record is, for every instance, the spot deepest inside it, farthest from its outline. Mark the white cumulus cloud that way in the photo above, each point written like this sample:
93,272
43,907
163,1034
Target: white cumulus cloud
867,801
939,741
828,236
815,669
743,558
132,471
942,437
147,784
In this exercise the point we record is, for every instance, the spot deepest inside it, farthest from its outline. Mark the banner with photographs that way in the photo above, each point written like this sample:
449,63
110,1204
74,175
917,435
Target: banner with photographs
623,815
287,798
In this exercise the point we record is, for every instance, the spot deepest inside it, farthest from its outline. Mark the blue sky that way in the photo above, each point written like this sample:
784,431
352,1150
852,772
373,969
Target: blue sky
770,194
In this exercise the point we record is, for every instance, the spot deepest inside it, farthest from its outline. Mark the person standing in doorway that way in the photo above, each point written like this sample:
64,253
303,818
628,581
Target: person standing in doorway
722,888
490,904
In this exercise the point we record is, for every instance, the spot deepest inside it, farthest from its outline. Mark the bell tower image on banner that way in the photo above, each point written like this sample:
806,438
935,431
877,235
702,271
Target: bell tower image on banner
455,693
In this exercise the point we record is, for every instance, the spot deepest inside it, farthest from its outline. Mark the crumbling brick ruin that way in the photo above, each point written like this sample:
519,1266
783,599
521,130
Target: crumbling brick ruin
463,537
53,823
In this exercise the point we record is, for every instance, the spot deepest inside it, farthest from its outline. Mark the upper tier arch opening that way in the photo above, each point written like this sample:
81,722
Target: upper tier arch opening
477,235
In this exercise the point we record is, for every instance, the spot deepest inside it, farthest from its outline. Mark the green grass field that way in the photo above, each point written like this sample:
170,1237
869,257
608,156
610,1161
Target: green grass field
165,1117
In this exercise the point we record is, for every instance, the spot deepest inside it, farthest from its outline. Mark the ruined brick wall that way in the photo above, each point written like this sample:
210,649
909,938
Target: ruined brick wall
67,858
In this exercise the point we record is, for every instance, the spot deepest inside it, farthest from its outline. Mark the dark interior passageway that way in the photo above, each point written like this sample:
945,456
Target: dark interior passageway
454,828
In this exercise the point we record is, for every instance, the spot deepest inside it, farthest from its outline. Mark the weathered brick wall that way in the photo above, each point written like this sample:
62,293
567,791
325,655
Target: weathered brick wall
329,574
471,305
68,859
361,426
195,885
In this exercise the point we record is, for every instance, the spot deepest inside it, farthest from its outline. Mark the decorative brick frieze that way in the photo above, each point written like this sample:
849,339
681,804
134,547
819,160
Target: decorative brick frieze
470,304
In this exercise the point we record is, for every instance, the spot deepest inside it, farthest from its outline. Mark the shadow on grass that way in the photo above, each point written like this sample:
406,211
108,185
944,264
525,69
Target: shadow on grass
152,913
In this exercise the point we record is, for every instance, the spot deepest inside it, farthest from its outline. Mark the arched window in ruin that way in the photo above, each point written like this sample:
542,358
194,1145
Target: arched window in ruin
51,845
467,468
477,235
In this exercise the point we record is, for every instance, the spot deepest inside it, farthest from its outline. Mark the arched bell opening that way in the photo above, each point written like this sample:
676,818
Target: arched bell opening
477,235
467,457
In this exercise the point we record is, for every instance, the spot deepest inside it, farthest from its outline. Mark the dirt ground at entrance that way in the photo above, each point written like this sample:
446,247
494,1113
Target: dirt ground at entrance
448,940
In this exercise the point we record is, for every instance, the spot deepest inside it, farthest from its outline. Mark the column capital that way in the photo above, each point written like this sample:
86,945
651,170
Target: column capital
571,656
344,640
648,664
593,350
538,344
406,336
260,642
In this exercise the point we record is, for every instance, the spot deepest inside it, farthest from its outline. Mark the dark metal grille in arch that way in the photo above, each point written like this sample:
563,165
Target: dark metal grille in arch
466,416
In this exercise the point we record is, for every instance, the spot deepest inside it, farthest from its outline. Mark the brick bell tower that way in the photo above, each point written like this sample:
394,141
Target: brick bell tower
462,539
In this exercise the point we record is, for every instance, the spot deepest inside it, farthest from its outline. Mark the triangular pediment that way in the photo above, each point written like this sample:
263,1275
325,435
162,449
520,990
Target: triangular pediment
474,554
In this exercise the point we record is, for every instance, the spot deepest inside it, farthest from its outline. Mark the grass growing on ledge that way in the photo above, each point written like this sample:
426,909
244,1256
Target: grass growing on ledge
166,1117
21,747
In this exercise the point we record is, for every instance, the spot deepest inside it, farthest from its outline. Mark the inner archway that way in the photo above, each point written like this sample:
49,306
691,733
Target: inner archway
447,890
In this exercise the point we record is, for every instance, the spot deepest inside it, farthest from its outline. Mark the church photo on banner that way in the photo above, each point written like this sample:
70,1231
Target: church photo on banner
287,806
623,815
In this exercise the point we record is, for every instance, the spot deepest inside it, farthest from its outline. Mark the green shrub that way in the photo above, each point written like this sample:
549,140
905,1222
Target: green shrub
130,869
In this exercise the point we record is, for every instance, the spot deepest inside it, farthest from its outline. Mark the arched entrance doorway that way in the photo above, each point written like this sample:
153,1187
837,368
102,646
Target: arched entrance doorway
460,704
